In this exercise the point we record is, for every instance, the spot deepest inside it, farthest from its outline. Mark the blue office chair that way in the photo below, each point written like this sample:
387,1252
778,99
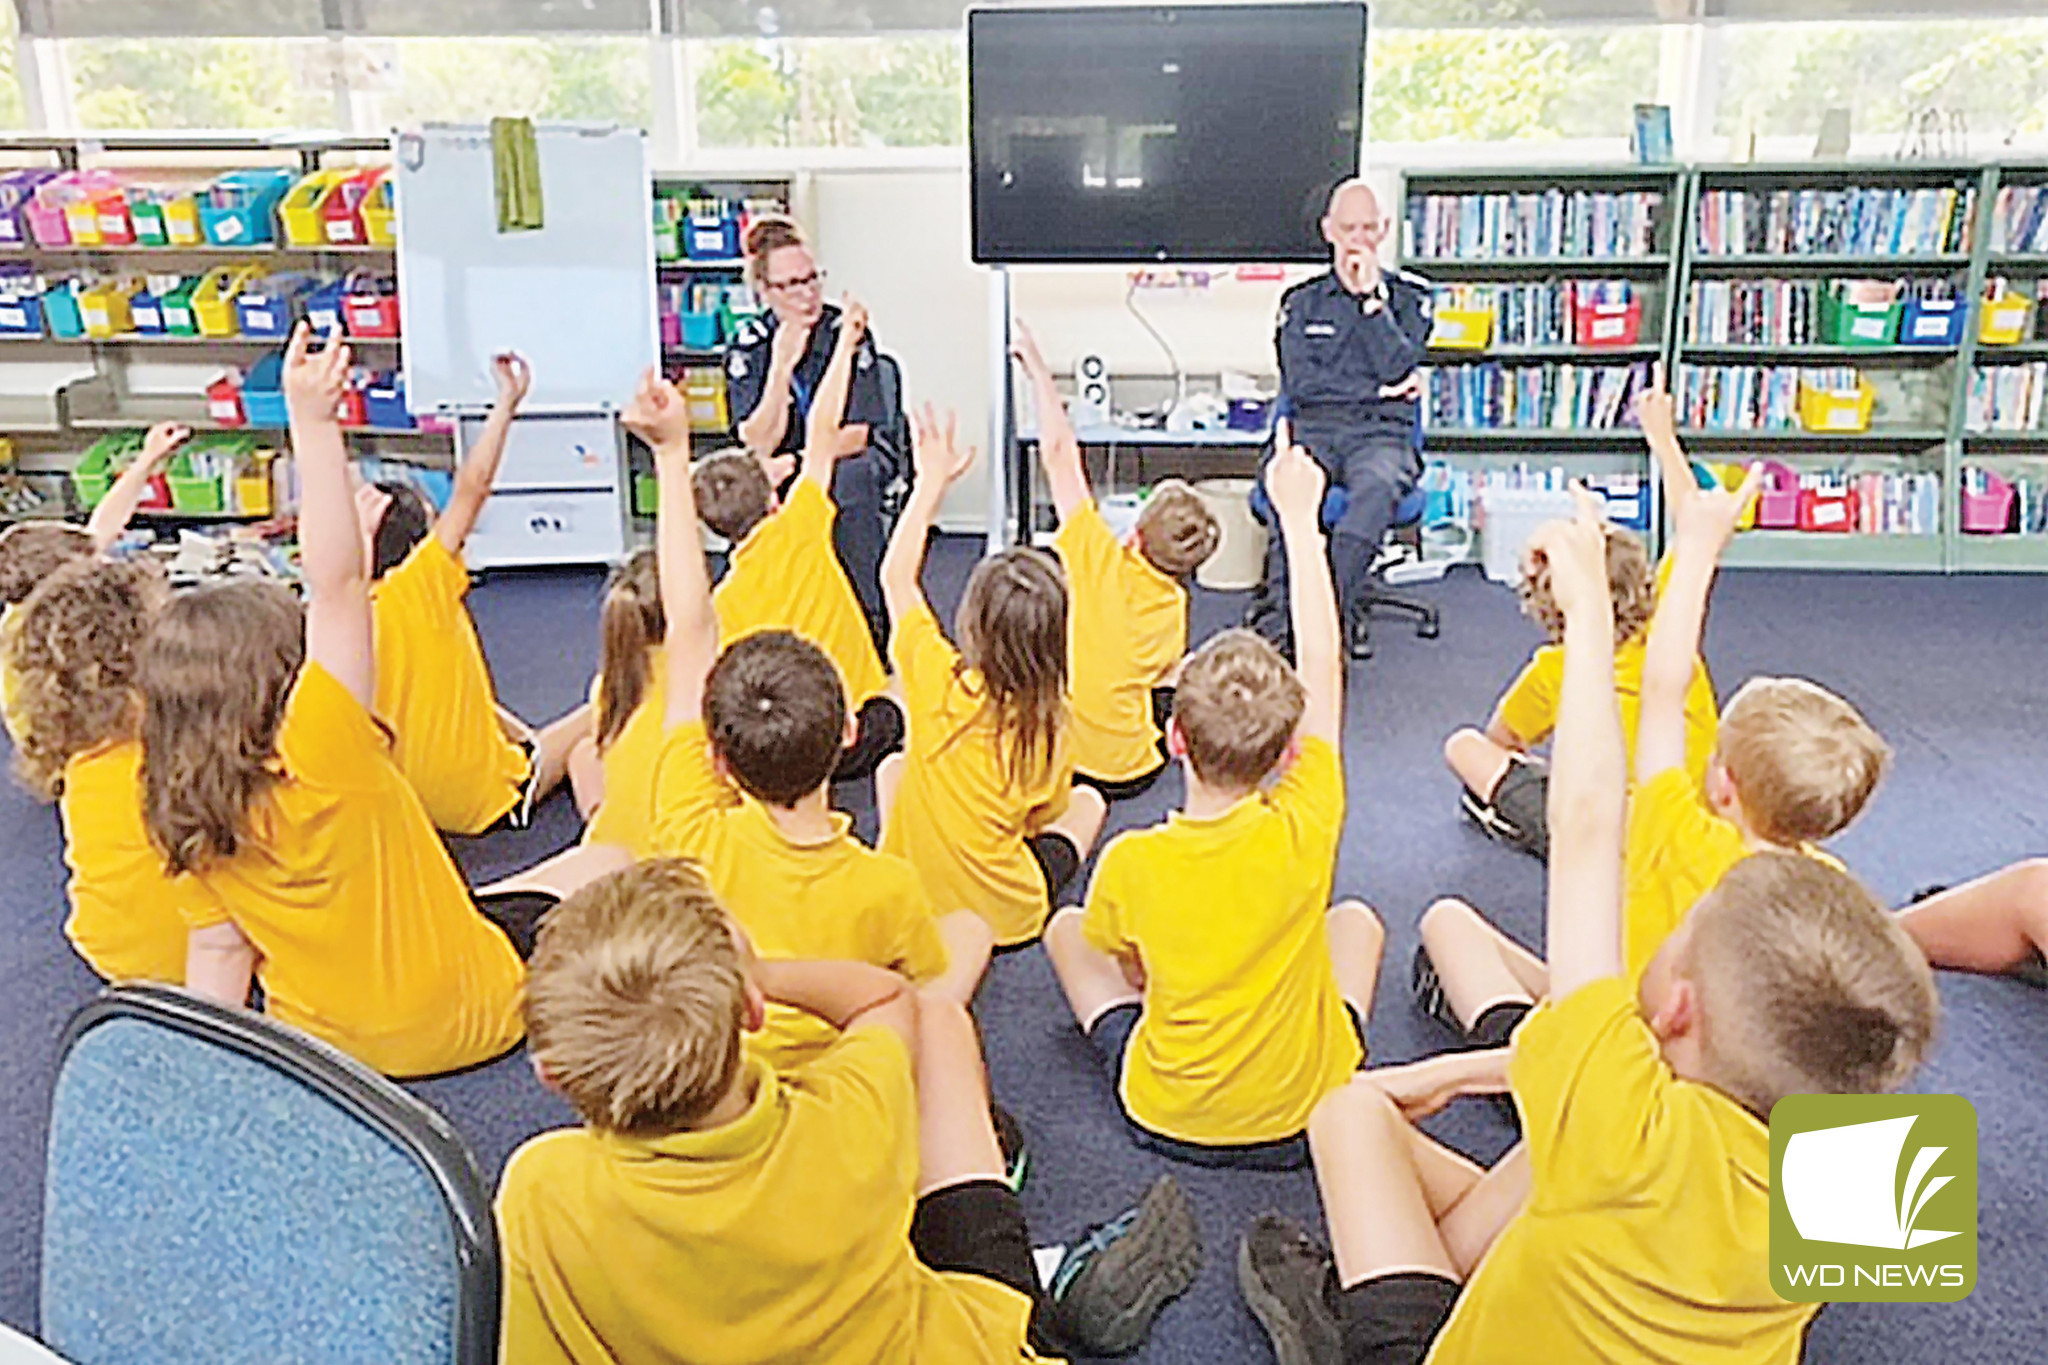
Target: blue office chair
223,1190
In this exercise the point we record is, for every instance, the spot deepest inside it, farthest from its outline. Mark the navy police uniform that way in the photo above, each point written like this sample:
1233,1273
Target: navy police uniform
1337,350
859,535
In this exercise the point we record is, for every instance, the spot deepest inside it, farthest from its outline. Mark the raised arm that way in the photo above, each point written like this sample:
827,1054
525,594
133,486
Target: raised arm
1058,452
1657,415
936,455
111,517
1294,481
825,424
338,630
659,416
1589,767
480,468
1705,522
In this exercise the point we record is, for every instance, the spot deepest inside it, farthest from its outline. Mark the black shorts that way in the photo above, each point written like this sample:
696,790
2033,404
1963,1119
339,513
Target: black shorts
1110,1037
1394,1319
878,732
977,1228
518,915
1522,797
1058,859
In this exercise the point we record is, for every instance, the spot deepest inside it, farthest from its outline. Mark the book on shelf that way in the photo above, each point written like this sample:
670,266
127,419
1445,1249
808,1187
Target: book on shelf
1455,492
1555,396
2007,397
1855,221
1539,314
1775,312
1753,397
1553,222
2019,220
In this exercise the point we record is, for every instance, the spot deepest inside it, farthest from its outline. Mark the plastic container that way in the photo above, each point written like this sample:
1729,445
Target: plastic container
704,394
17,192
1829,510
370,306
61,313
269,306
2004,319
224,401
350,412
193,492
1508,517
1932,322
101,216
379,211
213,298
44,215
384,402
253,492
1777,504
146,312
699,330
1608,324
240,208
1462,329
21,311
1826,410
646,495
299,211
146,215
179,318
1987,504
323,307
709,237
671,330
341,216
1843,323
263,393
93,475
1239,562
68,210
104,307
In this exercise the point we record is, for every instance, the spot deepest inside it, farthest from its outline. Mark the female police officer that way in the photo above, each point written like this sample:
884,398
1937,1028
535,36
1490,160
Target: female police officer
1350,341
773,369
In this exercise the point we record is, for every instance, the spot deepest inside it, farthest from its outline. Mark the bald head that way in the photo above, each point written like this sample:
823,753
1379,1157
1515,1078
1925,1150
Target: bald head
1353,222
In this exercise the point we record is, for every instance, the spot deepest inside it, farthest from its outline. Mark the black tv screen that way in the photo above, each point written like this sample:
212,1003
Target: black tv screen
1206,133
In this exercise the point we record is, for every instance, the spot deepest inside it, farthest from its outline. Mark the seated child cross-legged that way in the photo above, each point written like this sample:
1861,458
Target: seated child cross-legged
769,715
1645,1102
1128,602
850,1212
612,768
783,573
1218,985
981,801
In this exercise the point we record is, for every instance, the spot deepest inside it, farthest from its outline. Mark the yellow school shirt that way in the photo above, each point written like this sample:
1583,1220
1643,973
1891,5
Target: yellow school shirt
837,899
1677,850
786,576
1128,624
1529,707
366,935
1243,1029
10,686
781,1238
127,913
434,691
626,814
1646,1235
959,819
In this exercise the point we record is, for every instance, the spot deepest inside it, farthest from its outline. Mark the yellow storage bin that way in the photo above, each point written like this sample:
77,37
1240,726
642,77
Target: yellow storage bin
1731,477
299,211
1462,329
213,300
1828,410
380,213
252,486
704,392
104,307
2004,320
181,221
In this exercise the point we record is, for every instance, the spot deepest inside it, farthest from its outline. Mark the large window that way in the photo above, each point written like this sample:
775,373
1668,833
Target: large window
242,83
1496,84
1780,79
907,91
414,80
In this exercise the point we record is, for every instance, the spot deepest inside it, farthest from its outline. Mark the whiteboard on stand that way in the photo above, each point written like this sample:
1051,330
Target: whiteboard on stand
575,296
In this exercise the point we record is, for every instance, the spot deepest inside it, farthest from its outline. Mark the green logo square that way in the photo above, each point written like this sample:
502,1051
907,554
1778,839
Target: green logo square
1873,1198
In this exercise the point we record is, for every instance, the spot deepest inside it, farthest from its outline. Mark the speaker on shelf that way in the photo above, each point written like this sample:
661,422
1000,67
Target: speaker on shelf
1091,391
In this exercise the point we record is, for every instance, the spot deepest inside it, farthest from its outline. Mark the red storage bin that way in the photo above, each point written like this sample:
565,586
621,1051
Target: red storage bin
224,401
370,308
352,412
1609,324
1829,511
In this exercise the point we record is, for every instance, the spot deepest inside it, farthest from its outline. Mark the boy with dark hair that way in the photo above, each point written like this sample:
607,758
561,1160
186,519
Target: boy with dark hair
1645,1103
768,716
1217,984
1128,606
715,1207
784,573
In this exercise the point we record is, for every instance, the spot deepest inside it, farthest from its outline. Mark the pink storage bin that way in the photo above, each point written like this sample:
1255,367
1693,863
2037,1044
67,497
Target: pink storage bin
1987,513
1777,506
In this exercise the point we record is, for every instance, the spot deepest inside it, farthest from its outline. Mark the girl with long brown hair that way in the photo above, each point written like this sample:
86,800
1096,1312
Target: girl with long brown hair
614,775
982,800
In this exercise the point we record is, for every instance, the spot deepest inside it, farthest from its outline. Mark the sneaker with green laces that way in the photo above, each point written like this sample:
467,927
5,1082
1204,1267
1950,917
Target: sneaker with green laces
1112,1283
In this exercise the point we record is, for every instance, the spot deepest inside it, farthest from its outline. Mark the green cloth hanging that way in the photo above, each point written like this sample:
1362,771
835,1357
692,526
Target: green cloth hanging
515,174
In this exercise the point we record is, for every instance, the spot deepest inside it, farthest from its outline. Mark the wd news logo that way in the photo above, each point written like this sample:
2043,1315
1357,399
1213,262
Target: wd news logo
1873,1198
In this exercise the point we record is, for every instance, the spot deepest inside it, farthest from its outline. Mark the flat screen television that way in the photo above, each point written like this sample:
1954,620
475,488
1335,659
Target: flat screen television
1204,133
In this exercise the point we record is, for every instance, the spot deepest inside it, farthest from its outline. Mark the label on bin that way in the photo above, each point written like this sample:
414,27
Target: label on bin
228,229
1868,328
1934,326
13,317
341,229
177,315
148,317
1828,512
113,223
260,319
1609,329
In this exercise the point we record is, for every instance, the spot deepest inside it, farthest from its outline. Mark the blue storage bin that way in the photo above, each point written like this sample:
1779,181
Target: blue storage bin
270,306
384,402
241,206
1933,322
711,239
323,307
146,312
60,312
21,314
700,330
263,393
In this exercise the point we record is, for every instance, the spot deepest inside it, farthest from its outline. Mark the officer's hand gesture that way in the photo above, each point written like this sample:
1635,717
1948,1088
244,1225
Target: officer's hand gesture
935,450
1359,270
791,341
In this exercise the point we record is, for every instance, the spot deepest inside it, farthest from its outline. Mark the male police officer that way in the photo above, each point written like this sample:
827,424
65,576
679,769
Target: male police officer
1349,343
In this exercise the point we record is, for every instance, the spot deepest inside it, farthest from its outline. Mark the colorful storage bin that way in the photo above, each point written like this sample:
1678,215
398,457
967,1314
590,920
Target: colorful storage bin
104,307
1987,503
341,216
1828,410
224,401
1777,505
646,495
379,211
146,309
21,308
1829,510
1846,323
370,306
254,495
61,313
269,306
213,298
699,331
299,211
384,403
17,192
1462,329
192,491
704,393
2004,319
1933,322
711,237
1608,324
263,393
323,307
240,208
180,320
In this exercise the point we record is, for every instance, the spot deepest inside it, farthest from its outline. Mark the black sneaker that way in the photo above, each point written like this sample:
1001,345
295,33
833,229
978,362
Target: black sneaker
1281,1274
1429,992
1112,1283
1010,1138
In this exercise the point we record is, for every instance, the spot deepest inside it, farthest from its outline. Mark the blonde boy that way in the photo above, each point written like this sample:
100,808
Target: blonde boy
1128,606
1219,987
714,1209
1645,1104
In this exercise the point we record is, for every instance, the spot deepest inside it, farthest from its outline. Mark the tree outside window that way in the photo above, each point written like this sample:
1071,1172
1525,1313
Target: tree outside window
903,91
238,83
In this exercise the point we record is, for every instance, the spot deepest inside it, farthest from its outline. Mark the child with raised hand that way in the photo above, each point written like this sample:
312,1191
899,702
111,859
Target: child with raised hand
981,801
1219,987
1128,603
267,778
768,715
713,1207
31,551
474,764
783,573
612,768
1645,1102
71,647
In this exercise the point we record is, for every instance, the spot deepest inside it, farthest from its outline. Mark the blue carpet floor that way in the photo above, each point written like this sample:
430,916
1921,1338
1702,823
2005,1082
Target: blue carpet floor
1948,669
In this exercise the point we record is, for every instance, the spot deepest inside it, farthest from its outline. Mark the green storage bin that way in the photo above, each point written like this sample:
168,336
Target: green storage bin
190,493
1858,324
148,217
646,495
179,319
101,464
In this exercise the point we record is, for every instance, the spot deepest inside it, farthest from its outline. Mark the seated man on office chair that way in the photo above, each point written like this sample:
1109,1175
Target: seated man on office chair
1349,343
